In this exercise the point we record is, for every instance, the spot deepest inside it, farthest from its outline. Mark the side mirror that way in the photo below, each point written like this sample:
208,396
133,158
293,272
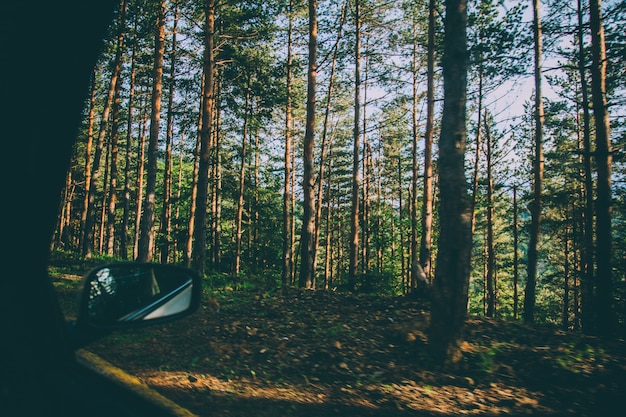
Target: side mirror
126,295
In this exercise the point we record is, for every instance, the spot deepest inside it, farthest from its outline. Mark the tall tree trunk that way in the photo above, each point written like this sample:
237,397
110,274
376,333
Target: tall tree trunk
535,208
129,140
355,209
112,195
307,237
326,145
566,274
604,284
287,192
242,182
199,248
427,205
365,255
88,165
449,301
491,253
403,268
63,225
166,209
479,130
587,273
216,204
103,206
515,255
141,164
415,261
328,244
146,237
188,251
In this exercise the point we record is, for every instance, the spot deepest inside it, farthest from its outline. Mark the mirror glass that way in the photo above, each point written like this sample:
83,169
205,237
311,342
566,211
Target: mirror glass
122,293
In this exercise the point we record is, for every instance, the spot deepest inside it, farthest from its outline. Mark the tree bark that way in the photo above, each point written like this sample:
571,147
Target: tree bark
88,164
491,254
415,261
307,239
145,251
112,195
427,201
588,256
191,224
287,191
141,165
355,209
326,149
538,164
449,295
515,255
604,284
199,247
166,209
242,182
129,140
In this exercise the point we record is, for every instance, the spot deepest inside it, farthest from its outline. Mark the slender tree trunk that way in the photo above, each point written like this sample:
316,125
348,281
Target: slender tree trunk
450,290
103,206
188,251
287,192
367,199
415,261
88,166
140,177
146,236
515,255
566,274
366,178
112,195
200,238
403,267
587,273
307,239
604,284
166,209
427,205
129,140
479,130
63,224
326,142
535,209
328,244
217,188
491,255
242,183
355,209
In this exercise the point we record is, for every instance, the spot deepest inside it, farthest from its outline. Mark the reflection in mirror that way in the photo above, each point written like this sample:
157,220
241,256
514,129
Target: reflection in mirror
119,293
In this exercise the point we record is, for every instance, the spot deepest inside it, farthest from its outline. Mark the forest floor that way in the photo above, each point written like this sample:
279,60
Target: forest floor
336,354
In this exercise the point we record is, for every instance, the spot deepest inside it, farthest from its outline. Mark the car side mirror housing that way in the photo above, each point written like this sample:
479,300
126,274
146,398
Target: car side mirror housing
128,294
